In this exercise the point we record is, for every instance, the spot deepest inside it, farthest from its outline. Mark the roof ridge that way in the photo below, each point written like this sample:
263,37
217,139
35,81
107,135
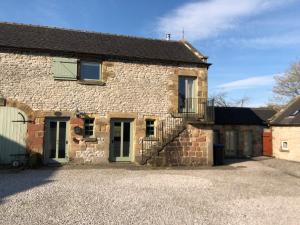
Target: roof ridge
281,112
88,31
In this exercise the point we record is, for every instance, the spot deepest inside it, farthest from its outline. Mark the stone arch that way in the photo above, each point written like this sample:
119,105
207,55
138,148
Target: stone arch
19,105
35,130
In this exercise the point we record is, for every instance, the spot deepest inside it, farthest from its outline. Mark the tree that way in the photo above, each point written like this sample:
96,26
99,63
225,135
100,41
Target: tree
221,99
287,85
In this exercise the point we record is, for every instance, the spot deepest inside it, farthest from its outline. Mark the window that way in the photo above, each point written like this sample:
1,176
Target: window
89,127
90,70
295,112
284,146
150,128
186,94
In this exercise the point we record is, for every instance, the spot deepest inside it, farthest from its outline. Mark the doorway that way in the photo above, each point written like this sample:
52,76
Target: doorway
248,143
186,94
13,129
121,140
56,140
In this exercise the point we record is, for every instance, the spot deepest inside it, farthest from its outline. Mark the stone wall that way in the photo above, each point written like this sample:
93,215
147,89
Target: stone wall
256,130
132,90
130,86
292,136
193,147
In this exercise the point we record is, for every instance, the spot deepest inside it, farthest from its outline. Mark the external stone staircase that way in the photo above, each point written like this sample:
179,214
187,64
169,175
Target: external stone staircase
170,128
152,147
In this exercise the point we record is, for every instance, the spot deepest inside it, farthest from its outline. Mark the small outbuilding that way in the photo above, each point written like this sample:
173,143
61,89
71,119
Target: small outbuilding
285,127
241,130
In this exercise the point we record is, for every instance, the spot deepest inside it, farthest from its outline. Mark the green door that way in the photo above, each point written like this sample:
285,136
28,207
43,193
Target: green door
121,141
13,129
56,140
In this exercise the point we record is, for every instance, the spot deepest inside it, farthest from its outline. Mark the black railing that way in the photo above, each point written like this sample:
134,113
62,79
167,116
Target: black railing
167,130
197,108
164,133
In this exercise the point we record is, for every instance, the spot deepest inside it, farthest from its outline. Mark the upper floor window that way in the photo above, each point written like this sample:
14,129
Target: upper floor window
89,127
90,70
150,128
187,102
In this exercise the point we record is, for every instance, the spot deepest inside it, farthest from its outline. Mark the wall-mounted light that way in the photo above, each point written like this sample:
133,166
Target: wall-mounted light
78,113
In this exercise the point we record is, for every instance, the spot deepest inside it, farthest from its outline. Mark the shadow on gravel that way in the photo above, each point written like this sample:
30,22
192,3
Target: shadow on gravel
288,167
14,181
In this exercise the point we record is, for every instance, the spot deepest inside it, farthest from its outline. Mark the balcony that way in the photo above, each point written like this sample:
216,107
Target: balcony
196,109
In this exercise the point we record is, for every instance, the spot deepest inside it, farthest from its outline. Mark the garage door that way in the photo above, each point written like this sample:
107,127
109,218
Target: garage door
13,130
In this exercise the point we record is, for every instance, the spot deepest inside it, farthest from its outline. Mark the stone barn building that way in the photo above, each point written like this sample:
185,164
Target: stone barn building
88,97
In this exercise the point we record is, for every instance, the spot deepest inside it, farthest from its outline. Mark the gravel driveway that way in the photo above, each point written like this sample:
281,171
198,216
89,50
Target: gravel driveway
241,193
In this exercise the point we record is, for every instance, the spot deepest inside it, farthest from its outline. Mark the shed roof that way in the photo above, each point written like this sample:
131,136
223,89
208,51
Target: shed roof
242,115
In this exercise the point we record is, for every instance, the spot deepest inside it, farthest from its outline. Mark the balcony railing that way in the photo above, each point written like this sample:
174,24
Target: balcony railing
201,109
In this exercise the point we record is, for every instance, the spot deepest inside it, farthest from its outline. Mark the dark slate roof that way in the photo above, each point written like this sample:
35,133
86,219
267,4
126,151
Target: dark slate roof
23,36
290,115
242,116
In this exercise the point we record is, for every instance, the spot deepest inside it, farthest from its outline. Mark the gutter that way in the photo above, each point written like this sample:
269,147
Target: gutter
94,55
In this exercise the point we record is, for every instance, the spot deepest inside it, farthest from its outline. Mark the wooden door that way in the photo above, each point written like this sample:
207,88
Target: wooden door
13,129
231,143
267,144
248,143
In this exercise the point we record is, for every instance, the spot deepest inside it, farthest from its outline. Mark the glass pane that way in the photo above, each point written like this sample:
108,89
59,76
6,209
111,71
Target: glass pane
117,139
190,88
52,140
126,139
181,94
62,140
89,127
89,71
149,128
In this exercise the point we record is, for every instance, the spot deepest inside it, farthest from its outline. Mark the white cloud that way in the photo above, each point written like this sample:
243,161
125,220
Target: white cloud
204,19
252,82
279,40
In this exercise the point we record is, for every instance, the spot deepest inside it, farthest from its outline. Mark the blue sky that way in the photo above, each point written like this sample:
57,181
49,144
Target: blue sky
248,41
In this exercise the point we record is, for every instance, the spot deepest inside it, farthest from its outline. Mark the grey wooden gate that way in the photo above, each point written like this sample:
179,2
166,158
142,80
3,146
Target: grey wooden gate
12,133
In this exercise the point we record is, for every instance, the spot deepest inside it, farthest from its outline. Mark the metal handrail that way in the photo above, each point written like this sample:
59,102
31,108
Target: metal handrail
200,109
164,133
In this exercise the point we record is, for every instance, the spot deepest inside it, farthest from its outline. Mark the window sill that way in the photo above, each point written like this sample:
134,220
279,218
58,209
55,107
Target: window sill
150,139
284,150
90,139
91,82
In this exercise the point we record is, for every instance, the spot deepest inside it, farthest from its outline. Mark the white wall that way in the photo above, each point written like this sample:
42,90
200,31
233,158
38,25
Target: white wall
292,136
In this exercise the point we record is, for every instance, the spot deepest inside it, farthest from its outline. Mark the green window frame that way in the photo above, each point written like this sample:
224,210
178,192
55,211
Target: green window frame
89,127
150,128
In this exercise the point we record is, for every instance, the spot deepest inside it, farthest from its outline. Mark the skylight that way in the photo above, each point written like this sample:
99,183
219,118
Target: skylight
295,112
